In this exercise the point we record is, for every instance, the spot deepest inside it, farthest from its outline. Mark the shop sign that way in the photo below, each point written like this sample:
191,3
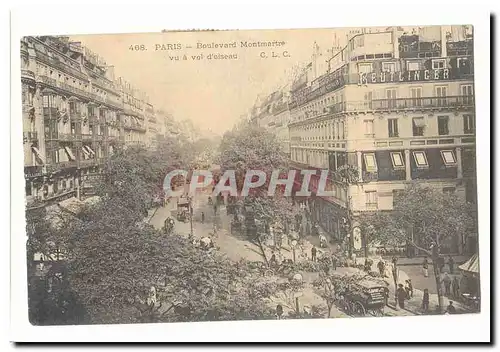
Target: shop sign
407,76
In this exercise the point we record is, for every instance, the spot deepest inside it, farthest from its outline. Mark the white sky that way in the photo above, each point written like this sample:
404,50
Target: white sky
213,94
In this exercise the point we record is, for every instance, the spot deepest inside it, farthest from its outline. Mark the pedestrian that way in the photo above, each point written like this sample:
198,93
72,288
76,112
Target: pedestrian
455,286
354,259
447,284
386,295
334,262
381,268
313,254
394,261
279,311
202,217
273,262
401,296
425,301
451,264
425,267
441,262
450,309
409,288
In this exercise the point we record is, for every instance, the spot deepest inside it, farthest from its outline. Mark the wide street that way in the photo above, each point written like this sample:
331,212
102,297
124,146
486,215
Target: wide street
237,247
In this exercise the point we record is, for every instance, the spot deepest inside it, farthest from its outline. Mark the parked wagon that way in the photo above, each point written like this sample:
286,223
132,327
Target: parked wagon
364,297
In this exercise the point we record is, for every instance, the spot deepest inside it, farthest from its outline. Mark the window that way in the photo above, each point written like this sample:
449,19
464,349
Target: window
48,101
469,127
397,160
369,128
371,199
370,162
393,127
420,159
413,66
448,157
449,190
438,64
418,126
416,96
467,94
341,130
443,129
391,97
463,65
365,68
441,96
388,66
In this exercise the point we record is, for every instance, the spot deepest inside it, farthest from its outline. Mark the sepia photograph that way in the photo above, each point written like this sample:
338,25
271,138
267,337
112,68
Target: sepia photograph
210,176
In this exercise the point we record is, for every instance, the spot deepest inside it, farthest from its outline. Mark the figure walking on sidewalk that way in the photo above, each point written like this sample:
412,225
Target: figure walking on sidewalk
313,253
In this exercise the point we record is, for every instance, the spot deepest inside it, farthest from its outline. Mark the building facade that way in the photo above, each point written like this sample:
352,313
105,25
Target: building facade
74,116
397,107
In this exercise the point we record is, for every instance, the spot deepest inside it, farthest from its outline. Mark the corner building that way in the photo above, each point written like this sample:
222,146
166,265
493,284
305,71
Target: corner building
400,109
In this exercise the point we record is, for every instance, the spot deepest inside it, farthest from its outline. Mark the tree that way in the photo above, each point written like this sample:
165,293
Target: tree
113,262
424,218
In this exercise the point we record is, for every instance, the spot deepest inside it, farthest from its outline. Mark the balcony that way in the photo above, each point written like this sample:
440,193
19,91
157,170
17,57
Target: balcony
98,137
87,137
48,81
27,74
411,104
30,137
60,166
87,162
51,112
75,116
74,90
33,170
67,137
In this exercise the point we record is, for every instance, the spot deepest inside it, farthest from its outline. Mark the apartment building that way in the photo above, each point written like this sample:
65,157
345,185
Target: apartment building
74,116
274,115
399,108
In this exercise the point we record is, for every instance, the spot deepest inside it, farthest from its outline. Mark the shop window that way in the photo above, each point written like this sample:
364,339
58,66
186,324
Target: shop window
449,190
370,162
397,160
420,159
448,158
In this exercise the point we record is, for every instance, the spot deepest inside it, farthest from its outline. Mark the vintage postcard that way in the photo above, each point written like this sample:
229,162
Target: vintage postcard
187,176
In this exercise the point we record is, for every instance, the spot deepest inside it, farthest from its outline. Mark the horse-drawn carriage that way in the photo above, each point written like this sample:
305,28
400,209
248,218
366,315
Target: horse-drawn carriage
183,210
365,296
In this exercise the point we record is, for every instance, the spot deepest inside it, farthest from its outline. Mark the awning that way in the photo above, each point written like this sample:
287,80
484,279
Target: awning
90,150
38,154
85,152
419,122
472,265
70,153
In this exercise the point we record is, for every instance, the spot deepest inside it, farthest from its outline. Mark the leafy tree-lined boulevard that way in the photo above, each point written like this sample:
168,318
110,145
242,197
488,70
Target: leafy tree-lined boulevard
118,266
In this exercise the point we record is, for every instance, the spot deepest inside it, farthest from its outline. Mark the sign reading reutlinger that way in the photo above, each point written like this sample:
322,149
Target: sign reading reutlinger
408,76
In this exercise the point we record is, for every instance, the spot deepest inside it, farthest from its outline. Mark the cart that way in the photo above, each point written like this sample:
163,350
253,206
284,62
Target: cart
364,297
183,210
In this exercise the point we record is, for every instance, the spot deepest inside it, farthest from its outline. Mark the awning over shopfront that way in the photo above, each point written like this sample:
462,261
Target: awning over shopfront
85,152
70,153
90,150
472,265
38,154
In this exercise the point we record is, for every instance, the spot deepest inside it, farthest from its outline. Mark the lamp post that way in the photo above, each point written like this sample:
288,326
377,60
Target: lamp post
293,244
191,216
297,279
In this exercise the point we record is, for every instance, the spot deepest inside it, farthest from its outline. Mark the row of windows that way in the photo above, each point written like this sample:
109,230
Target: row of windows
367,67
419,126
440,91
323,131
371,197
398,161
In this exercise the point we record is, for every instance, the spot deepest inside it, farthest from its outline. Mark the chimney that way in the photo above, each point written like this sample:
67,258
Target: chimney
443,42
395,42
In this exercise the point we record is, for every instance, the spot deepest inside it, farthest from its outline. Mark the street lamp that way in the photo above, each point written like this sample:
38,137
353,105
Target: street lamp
191,216
297,279
293,244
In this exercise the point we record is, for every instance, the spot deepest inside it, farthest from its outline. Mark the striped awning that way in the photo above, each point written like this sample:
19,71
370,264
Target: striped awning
472,265
70,153
38,154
